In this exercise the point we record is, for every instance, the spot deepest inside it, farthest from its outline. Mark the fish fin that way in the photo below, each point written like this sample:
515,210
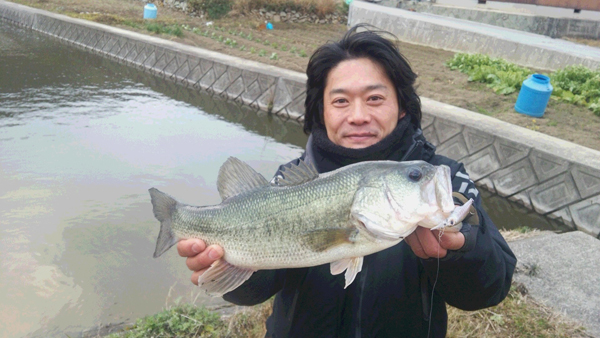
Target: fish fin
223,277
298,174
163,206
352,266
323,239
236,177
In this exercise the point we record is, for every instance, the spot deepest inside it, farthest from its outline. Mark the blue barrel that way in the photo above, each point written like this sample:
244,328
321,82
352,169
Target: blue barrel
534,95
150,11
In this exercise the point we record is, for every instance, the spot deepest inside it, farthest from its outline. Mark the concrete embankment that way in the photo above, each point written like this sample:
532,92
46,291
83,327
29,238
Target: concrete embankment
527,49
554,27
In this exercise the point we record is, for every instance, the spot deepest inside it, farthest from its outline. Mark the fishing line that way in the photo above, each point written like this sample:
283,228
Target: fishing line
437,273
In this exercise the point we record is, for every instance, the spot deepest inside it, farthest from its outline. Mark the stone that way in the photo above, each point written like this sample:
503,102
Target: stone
282,14
553,194
482,164
454,148
509,152
587,180
446,129
276,18
547,165
586,215
514,178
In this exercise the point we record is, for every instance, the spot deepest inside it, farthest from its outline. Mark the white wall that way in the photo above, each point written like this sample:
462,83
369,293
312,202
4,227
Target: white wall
556,12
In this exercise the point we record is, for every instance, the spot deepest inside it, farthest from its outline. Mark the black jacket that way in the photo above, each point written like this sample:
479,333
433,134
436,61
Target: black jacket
393,295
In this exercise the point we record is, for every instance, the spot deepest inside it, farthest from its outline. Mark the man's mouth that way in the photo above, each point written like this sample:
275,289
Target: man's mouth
360,136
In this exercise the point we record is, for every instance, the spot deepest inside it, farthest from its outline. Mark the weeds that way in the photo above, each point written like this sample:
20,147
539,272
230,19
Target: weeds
214,9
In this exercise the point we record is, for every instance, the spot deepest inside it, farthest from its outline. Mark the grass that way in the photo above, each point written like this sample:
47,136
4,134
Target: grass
517,316
187,321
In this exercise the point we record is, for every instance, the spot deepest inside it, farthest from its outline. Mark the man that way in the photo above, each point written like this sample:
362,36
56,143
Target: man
360,106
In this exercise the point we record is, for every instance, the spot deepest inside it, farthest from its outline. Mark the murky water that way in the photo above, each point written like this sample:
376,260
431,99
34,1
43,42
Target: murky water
81,140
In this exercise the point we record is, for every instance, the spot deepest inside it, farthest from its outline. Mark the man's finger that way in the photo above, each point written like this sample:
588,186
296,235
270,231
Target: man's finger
197,275
415,245
451,240
204,259
190,247
430,243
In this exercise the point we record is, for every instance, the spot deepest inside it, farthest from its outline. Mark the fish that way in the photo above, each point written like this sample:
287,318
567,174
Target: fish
305,219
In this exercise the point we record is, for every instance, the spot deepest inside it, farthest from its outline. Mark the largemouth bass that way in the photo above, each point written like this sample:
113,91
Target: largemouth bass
307,219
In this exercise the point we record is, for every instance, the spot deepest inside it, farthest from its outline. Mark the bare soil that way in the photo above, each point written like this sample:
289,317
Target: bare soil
289,45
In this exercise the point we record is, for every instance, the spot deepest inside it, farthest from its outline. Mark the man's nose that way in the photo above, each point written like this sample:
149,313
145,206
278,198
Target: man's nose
359,114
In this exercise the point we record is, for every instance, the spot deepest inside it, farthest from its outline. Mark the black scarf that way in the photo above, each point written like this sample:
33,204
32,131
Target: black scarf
330,156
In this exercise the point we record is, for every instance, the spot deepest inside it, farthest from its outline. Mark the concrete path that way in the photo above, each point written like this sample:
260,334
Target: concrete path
458,35
563,272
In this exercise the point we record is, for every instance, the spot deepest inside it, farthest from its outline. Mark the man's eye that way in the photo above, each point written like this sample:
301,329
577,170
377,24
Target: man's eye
375,98
340,101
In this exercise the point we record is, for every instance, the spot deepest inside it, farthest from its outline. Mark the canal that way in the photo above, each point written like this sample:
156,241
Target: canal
82,138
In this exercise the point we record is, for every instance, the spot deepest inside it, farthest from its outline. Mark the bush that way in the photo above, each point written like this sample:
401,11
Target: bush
214,9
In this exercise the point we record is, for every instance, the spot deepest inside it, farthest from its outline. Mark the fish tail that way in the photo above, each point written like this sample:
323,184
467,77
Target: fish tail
163,206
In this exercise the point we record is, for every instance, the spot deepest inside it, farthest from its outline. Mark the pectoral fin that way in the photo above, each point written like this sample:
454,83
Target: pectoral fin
223,277
352,266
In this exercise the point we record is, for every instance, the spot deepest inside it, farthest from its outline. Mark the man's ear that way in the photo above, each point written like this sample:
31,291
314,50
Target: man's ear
401,115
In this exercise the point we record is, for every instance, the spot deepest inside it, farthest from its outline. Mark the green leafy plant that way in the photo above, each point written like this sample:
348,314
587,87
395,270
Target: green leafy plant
180,321
578,85
242,48
574,84
262,52
252,50
274,56
302,53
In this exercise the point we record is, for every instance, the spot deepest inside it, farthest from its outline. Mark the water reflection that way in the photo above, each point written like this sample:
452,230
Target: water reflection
82,140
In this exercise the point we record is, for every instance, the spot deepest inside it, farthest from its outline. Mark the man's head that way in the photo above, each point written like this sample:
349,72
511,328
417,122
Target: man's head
358,88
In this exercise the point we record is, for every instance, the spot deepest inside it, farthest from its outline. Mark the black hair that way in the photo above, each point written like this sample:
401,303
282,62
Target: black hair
368,43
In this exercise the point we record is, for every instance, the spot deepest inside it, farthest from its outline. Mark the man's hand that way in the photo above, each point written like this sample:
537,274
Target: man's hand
199,257
428,244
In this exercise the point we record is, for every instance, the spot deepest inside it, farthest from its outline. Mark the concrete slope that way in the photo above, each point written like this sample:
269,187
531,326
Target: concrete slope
458,35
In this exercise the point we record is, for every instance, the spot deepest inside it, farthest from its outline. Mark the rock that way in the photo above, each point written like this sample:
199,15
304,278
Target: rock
283,14
322,21
276,18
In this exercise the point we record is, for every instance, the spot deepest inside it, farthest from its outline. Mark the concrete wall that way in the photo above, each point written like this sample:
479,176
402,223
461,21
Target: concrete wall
551,176
527,49
554,12
554,27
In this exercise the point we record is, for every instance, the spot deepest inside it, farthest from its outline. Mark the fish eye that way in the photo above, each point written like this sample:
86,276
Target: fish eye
415,174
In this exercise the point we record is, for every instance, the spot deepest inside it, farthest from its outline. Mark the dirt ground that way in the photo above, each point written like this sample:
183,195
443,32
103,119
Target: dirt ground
290,45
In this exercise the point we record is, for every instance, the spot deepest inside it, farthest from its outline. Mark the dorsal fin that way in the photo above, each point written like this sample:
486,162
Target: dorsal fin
298,174
236,177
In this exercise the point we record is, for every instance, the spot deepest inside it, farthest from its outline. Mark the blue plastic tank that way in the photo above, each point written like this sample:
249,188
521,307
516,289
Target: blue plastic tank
150,11
534,95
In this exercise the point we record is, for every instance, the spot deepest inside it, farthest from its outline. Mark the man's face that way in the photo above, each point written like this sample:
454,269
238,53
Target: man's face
360,106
